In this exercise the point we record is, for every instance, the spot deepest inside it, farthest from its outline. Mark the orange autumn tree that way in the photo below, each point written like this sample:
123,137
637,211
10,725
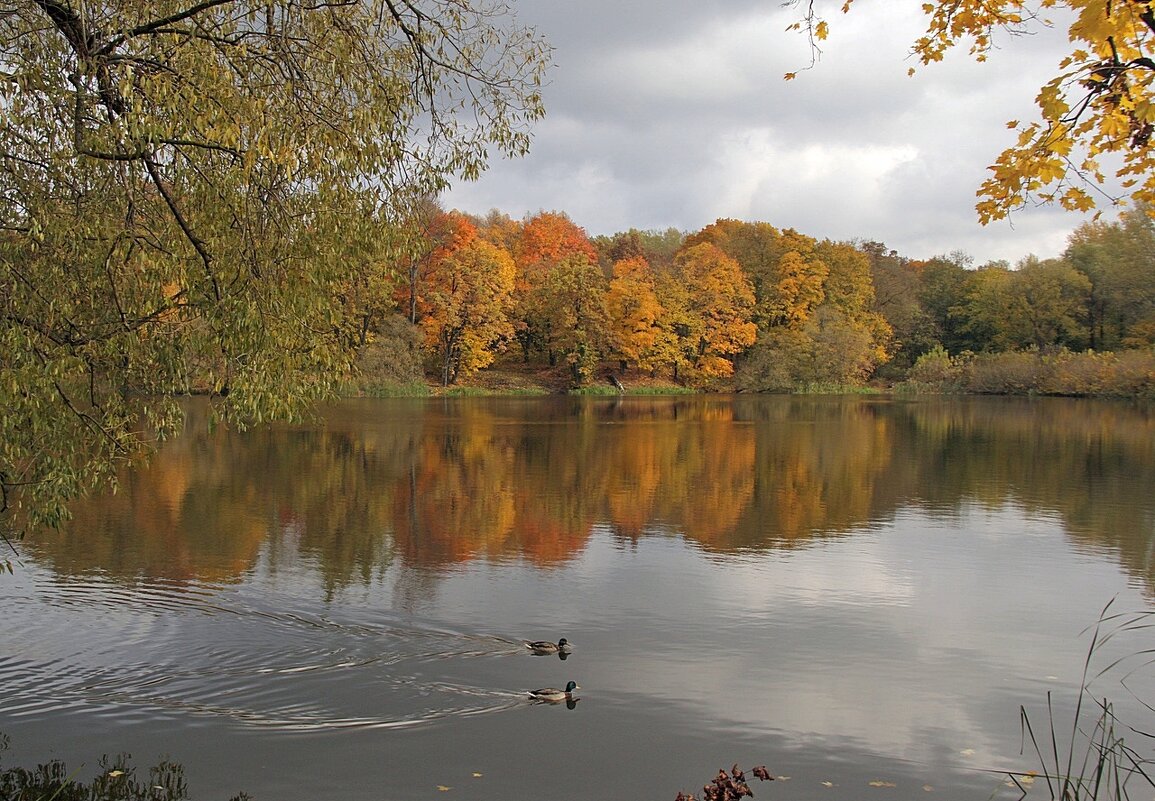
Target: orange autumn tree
721,304
421,233
544,241
636,334
465,307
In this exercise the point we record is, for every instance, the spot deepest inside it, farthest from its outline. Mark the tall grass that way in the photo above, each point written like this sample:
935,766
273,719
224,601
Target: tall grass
1096,761
116,780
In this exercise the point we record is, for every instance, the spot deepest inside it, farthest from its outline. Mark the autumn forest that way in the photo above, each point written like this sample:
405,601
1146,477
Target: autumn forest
748,306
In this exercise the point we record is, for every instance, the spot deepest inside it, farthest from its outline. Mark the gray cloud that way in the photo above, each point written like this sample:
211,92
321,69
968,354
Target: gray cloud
672,114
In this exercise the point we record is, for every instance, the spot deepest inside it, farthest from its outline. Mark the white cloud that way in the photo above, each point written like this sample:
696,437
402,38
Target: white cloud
672,114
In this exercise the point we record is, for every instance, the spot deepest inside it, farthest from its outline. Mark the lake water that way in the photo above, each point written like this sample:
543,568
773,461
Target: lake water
858,593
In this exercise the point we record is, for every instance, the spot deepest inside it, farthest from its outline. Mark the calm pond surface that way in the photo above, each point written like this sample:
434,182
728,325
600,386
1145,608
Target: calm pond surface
858,593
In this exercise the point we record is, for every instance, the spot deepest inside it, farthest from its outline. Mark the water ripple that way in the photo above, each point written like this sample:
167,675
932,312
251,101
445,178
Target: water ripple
165,649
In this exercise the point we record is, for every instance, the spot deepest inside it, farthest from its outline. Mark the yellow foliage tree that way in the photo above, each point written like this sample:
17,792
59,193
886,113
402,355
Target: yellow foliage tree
635,314
783,268
722,304
1100,104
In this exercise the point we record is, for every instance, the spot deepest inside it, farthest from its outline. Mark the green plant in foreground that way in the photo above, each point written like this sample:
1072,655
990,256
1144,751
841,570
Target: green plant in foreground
1097,763
117,781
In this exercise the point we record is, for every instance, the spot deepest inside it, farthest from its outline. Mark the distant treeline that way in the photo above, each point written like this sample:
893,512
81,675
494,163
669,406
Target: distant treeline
747,306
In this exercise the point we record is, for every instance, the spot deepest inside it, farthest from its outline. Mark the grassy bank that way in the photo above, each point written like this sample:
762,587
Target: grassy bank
513,378
396,371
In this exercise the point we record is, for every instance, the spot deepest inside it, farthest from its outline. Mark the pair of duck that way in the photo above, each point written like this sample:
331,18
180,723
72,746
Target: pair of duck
543,648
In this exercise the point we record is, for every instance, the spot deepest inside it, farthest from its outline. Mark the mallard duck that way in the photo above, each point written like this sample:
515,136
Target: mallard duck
554,694
547,647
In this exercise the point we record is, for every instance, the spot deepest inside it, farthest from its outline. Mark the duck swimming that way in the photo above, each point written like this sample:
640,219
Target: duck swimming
540,647
554,694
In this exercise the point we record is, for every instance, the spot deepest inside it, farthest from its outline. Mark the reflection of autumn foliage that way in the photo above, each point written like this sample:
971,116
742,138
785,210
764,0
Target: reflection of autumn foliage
154,526
456,503
821,467
421,483
1090,463
708,476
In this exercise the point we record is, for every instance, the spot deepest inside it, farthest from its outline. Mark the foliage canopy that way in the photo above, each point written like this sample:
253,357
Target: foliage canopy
189,189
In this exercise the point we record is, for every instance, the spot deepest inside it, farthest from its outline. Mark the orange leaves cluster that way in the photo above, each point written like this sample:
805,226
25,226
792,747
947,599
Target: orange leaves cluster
548,238
466,301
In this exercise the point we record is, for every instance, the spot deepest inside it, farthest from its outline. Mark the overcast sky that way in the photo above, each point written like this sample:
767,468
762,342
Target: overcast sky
673,113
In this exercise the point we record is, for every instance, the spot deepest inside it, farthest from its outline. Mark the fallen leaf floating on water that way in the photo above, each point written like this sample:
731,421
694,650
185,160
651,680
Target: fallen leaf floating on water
881,783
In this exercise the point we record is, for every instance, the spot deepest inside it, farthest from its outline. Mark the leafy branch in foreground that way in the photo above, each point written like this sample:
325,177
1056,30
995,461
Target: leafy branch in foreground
1097,763
1099,107
192,191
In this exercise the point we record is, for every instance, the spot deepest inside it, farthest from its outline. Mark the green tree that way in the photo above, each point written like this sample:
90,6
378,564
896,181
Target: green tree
423,227
1037,305
658,248
1119,259
987,306
896,287
942,290
1049,298
829,350
575,315
187,188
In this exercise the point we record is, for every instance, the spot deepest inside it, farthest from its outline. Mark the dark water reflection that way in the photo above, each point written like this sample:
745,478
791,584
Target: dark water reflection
848,590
